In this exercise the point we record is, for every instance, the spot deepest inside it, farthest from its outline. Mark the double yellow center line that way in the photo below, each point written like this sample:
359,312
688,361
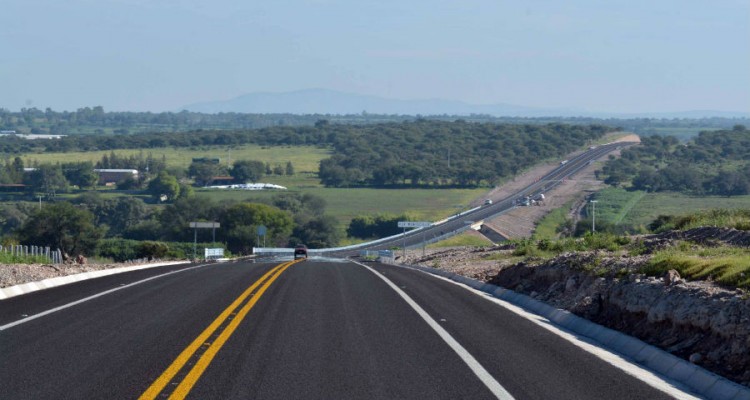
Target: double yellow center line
221,328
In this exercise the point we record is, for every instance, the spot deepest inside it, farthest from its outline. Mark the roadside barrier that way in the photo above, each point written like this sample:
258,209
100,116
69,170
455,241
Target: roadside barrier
20,250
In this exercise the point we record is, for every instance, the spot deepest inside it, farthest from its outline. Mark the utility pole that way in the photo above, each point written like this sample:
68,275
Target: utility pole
593,215
40,202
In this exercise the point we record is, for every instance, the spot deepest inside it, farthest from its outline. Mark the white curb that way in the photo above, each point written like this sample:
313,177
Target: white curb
701,381
29,287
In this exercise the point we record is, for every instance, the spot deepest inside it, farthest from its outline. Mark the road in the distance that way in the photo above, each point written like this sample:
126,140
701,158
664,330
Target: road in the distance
542,185
322,330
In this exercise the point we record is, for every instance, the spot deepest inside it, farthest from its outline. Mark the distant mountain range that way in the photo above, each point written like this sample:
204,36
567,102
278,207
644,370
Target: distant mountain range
324,101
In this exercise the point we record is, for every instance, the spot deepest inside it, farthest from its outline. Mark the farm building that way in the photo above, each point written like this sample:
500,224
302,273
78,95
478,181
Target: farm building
110,176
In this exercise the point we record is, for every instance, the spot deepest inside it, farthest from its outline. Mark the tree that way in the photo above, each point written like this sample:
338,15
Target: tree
317,232
239,225
64,226
244,171
48,179
13,217
289,168
126,213
174,220
81,174
164,187
204,172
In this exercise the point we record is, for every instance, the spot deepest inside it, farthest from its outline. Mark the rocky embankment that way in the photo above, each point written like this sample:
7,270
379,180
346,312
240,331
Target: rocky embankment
696,320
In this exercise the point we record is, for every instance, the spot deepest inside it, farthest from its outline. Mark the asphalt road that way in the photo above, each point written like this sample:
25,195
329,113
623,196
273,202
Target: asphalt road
321,329
542,185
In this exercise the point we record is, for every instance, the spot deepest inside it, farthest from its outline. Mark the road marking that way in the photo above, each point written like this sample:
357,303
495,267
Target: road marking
230,313
77,302
674,389
487,379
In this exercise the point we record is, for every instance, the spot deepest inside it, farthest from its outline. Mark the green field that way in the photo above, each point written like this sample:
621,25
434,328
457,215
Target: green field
463,239
304,158
547,227
637,208
345,204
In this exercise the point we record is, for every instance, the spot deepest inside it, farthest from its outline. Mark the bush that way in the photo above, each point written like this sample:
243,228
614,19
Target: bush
152,250
121,250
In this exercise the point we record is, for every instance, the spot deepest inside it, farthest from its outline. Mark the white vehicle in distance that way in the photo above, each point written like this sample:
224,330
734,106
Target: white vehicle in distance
487,202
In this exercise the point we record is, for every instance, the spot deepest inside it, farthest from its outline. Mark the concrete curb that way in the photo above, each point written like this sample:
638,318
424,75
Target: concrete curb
29,287
701,381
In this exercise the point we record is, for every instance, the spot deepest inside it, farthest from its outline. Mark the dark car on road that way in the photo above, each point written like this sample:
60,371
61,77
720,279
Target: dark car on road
300,251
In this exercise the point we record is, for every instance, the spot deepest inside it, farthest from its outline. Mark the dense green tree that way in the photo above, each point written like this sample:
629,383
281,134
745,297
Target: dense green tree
81,174
240,222
62,225
204,172
175,219
315,232
244,171
48,179
373,227
164,187
12,216
713,163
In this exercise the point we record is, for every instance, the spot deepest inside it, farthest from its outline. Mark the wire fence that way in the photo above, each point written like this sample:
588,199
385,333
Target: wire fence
20,250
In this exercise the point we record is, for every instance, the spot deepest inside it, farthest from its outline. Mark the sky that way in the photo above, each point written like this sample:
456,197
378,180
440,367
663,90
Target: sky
623,56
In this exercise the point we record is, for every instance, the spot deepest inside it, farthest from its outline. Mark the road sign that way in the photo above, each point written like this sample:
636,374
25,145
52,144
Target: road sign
261,230
204,224
214,253
413,224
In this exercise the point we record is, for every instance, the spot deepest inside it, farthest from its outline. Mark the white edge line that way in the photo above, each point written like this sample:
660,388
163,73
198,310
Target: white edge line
489,381
64,306
591,346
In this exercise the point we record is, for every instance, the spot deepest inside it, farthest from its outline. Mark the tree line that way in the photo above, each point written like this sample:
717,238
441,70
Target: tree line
154,174
440,154
714,163
418,153
79,226
96,121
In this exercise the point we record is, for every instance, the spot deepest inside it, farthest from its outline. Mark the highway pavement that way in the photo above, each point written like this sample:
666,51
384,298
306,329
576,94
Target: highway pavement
312,329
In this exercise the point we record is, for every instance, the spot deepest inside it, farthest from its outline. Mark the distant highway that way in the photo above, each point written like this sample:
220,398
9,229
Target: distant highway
321,329
545,183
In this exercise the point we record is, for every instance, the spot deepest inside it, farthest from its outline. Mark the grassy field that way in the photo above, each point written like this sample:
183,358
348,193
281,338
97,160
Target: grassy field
345,204
726,265
637,208
547,227
304,158
464,239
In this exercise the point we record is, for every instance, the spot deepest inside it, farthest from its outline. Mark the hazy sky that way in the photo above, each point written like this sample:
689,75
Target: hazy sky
156,55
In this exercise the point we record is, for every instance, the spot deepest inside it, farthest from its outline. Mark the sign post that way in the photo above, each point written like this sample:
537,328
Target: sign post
202,225
414,224
262,232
